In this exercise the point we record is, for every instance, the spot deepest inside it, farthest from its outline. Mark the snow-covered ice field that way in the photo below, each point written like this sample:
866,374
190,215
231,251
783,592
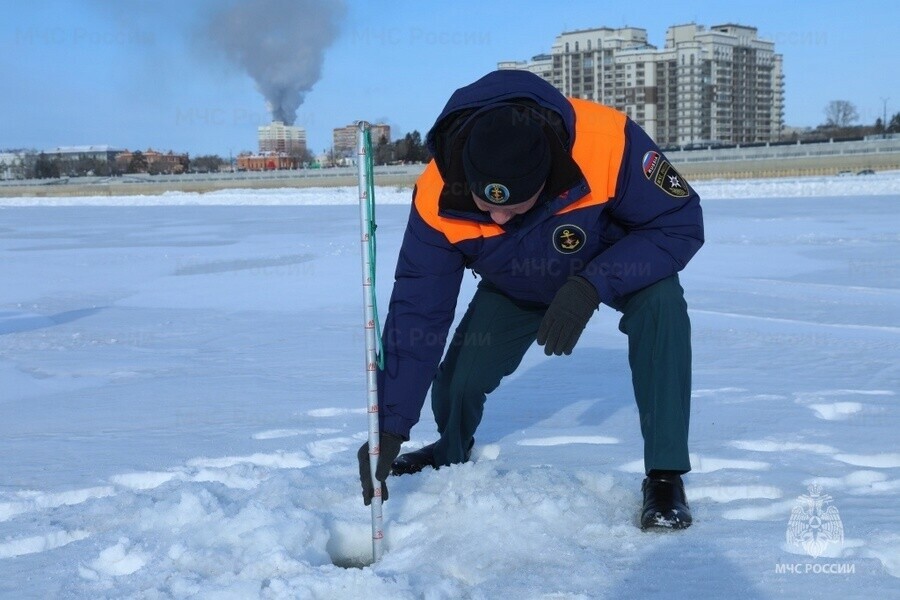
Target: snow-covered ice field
182,396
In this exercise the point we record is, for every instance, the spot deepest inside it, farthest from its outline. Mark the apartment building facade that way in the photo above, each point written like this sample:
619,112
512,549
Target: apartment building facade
280,138
344,138
723,85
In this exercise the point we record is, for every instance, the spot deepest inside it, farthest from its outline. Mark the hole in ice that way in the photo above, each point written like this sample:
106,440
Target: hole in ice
350,545
351,562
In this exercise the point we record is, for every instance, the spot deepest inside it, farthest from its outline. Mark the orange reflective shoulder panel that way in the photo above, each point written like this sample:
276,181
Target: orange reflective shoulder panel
598,151
428,194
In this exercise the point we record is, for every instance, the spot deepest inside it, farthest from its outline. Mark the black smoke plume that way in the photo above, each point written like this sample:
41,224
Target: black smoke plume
280,44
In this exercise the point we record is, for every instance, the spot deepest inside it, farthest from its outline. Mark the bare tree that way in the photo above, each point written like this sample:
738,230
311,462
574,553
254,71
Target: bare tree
840,113
207,163
894,124
138,163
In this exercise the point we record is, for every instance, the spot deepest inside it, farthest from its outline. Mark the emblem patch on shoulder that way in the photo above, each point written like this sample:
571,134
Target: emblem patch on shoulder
568,239
651,159
496,193
661,172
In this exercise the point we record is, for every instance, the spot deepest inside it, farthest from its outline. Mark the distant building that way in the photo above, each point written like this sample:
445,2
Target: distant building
788,132
156,162
541,65
344,138
273,161
102,153
72,158
13,165
280,138
722,85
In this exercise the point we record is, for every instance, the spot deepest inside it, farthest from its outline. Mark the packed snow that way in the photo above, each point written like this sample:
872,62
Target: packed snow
182,394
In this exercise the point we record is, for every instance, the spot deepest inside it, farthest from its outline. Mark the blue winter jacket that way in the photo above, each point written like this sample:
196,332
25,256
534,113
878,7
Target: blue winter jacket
613,211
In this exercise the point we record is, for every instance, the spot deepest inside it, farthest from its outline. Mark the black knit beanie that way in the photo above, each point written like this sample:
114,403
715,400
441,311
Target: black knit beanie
506,156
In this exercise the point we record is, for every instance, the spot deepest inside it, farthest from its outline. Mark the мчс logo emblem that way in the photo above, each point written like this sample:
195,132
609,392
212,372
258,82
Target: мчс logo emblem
568,239
815,524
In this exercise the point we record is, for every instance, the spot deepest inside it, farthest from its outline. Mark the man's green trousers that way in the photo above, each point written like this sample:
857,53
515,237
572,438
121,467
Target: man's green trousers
495,333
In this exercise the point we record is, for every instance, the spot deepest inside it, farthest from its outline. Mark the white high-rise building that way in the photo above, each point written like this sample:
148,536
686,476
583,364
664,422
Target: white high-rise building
281,138
722,85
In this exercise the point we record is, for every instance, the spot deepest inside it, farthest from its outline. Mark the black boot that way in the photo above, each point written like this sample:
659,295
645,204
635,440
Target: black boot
415,461
665,505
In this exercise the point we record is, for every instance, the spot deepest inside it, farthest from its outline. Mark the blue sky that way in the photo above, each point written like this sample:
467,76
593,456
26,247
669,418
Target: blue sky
140,74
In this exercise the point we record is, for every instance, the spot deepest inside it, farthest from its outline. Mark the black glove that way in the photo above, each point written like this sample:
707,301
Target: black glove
388,451
567,315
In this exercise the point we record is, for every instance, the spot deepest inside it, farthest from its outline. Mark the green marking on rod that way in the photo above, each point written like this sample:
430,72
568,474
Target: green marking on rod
370,218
